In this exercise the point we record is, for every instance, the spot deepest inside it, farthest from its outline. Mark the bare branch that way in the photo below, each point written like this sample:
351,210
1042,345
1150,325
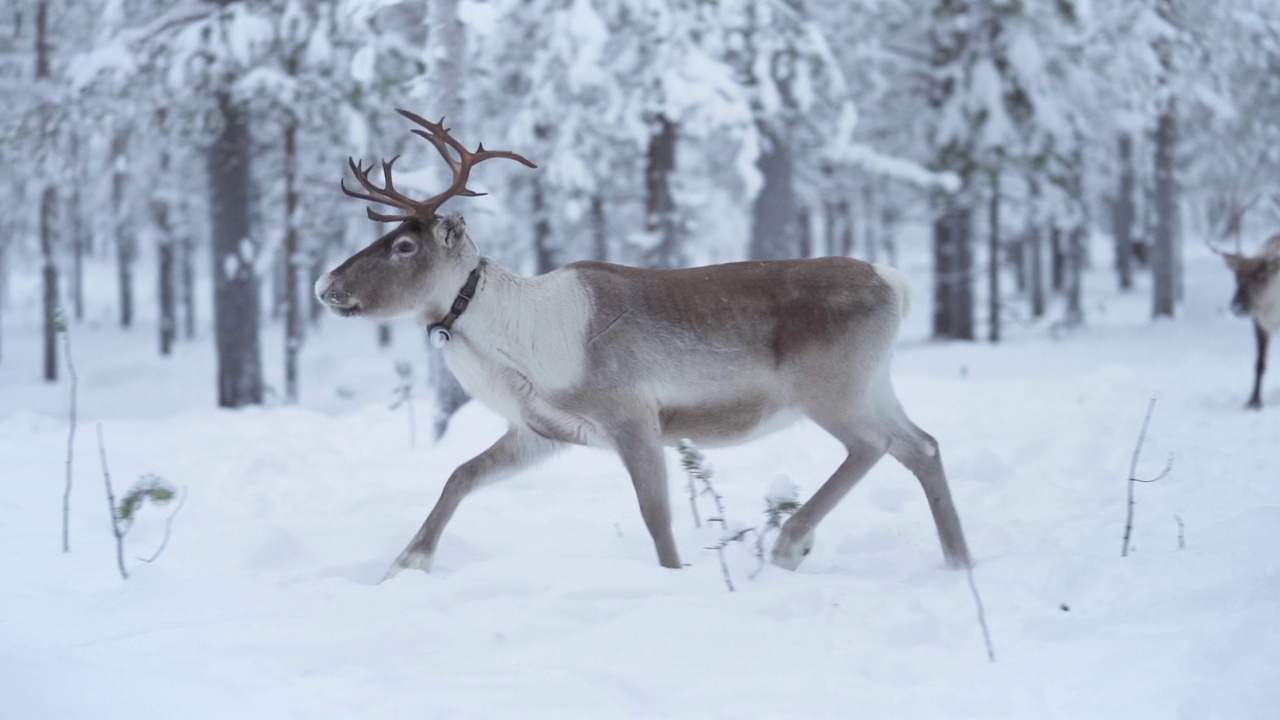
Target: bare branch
168,528
1168,467
1133,476
740,536
982,615
111,506
60,322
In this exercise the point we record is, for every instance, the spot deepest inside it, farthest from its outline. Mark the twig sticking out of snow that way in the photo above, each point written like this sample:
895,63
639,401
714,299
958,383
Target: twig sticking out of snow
111,505
691,460
694,463
1182,535
1133,476
60,325
149,488
982,615
739,536
168,528
779,504
695,466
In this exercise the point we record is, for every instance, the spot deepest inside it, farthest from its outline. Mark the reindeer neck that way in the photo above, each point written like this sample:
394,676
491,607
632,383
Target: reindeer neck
535,326
496,314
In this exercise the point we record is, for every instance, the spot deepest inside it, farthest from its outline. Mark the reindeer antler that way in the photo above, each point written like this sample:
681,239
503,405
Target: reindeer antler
438,135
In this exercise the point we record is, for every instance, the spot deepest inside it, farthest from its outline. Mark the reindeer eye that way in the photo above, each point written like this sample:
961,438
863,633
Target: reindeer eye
405,247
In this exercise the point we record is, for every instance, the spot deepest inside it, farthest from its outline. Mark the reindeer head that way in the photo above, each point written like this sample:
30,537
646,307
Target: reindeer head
1253,276
421,264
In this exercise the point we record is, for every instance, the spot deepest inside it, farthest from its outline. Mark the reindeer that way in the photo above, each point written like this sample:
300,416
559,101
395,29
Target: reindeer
1258,296
633,359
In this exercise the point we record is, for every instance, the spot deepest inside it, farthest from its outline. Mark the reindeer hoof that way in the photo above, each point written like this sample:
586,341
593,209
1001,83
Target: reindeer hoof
959,561
788,553
1253,404
409,560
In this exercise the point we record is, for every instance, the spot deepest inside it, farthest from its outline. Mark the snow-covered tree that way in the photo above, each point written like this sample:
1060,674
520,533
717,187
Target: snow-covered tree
299,92
796,92
1007,102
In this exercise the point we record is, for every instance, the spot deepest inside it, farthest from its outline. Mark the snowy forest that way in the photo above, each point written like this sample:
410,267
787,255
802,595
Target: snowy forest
1058,178
669,134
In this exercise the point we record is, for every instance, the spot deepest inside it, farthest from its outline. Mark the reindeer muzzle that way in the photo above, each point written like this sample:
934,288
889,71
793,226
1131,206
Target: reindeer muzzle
335,298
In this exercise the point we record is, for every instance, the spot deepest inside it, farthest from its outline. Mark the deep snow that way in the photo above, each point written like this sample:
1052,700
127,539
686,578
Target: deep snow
547,601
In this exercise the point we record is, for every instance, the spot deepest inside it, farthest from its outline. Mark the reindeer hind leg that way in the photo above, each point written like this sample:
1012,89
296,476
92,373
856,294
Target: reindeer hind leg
918,451
866,444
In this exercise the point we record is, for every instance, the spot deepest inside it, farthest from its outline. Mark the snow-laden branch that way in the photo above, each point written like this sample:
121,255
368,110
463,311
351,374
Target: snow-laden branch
878,163
117,55
847,151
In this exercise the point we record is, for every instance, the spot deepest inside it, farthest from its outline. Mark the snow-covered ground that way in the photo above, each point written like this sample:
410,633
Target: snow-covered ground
547,601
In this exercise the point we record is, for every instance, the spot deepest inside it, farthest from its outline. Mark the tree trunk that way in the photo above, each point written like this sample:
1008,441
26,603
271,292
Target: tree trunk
774,235
831,227
993,260
318,268
78,245
953,274
126,244
236,304
886,238
293,327
544,258
165,243
804,226
1123,213
4,282
1035,270
449,394
188,285
1075,276
599,229
962,303
1017,251
943,268
450,72
48,210
448,78
660,204
168,306
275,284
1057,259
4,288
1163,255
870,219
845,242
1146,212
166,259
78,230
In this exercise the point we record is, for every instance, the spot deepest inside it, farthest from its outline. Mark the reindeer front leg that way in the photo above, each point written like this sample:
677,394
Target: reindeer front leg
1259,367
641,451
519,448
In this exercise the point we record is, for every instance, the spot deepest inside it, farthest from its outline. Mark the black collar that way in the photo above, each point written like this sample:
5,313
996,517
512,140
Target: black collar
439,332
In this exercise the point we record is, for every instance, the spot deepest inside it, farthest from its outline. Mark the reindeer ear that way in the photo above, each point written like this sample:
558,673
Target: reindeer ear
449,229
